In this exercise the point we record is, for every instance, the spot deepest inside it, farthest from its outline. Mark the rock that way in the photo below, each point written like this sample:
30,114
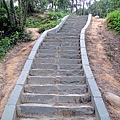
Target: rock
113,99
116,48
97,17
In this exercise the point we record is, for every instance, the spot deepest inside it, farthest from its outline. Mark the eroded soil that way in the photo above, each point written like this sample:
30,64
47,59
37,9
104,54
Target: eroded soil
11,67
103,48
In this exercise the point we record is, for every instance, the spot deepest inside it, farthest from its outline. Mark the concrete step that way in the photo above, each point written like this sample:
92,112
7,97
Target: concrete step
76,72
70,66
68,44
46,55
53,51
62,40
45,60
70,56
70,48
55,55
49,47
70,31
56,80
56,61
67,27
37,110
59,49
55,89
70,61
44,66
62,37
41,72
72,43
53,99
63,34
84,117
51,43
69,51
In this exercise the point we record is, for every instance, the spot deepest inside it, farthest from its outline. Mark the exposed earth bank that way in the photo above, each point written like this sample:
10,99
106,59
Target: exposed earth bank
104,54
12,65
103,48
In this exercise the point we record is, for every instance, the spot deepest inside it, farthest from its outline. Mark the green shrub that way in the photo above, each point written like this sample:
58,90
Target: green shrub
33,22
7,43
24,36
54,15
47,26
113,21
46,22
4,22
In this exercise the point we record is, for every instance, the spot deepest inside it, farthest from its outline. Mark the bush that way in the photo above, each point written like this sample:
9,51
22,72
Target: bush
113,21
55,15
47,26
50,20
33,22
4,22
24,36
7,43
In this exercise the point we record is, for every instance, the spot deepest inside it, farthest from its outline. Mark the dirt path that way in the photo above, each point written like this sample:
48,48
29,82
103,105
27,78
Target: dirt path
105,63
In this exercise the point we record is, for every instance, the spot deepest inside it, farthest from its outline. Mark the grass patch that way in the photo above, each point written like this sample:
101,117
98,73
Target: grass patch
48,21
113,21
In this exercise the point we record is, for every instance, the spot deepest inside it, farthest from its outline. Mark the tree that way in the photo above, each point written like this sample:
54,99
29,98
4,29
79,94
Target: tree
114,4
16,15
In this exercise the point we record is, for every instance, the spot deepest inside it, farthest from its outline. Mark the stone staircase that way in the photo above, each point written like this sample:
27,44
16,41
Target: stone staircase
56,86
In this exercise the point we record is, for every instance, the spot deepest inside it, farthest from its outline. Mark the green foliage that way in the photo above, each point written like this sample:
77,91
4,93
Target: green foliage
4,46
109,54
114,4
47,26
103,7
7,43
4,22
24,36
33,21
50,20
55,15
100,8
113,21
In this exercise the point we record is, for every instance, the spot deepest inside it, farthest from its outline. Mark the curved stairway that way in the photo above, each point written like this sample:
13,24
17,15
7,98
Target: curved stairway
56,87
56,82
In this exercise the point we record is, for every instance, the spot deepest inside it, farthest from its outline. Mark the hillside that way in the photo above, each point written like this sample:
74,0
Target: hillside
103,48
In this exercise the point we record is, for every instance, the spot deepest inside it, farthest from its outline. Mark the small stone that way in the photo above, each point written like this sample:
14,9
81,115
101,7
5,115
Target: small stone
97,17
116,48
100,26
113,99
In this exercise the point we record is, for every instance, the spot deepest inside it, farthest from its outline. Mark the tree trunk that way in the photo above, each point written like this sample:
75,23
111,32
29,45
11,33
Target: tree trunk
96,7
19,4
80,8
8,12
72,6
12,13
76,7
83,13
25,14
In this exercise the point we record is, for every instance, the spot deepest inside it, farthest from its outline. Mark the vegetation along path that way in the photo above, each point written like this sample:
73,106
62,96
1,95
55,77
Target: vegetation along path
59,85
